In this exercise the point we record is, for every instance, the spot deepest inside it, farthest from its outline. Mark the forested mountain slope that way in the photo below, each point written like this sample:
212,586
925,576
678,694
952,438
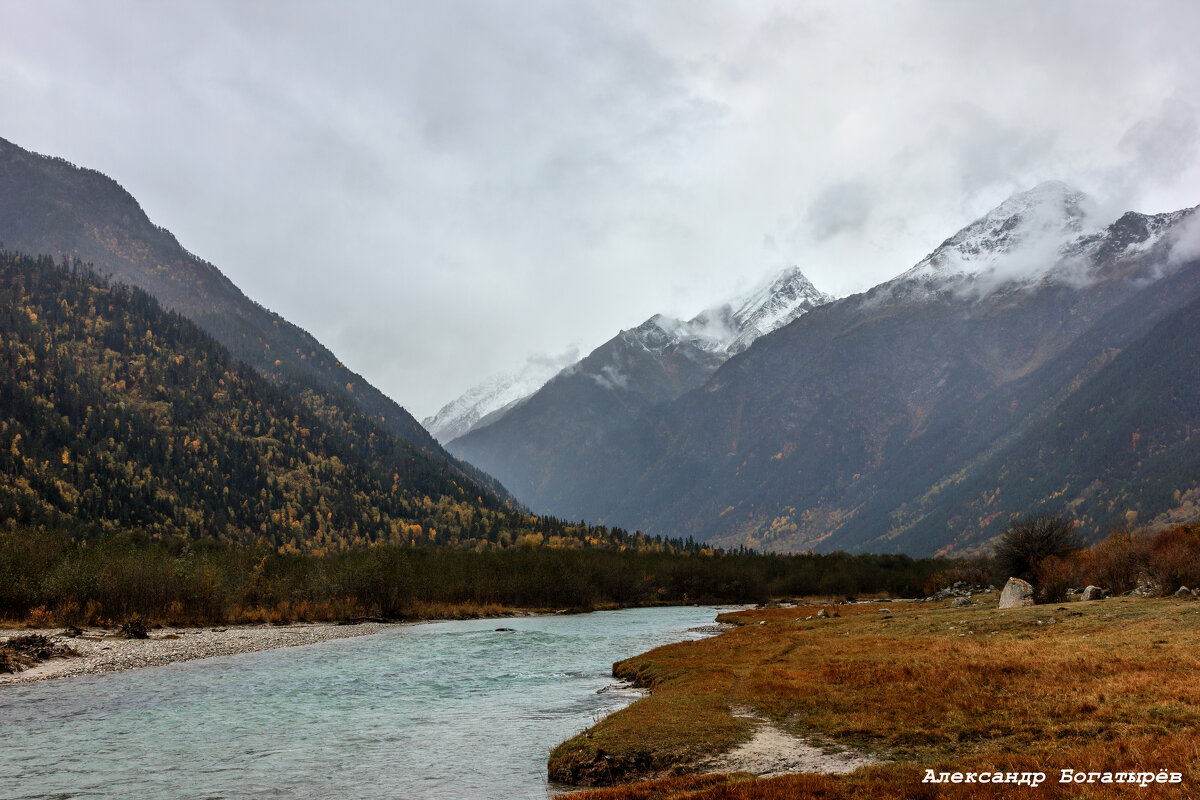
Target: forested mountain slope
50,206
116,414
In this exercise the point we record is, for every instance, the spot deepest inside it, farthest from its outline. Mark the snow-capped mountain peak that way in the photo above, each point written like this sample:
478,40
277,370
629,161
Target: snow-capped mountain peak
772,305
1019,241
731,327
495,394
705,341
1050,213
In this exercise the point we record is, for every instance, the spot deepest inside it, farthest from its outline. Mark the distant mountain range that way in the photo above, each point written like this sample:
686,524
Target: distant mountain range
709,337
1040,359
536,439
919,416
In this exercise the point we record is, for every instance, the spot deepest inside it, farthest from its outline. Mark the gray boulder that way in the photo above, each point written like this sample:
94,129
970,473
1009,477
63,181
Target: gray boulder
959,602
1183,591
1017,594
1093,593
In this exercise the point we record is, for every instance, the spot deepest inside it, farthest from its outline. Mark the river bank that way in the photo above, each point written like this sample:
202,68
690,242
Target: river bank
95,650
885,693
102,650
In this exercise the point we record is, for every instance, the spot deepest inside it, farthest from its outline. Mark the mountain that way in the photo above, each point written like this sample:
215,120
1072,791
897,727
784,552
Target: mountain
1123,448
1016,242
536,441
913,417
768,307
50,206
711,336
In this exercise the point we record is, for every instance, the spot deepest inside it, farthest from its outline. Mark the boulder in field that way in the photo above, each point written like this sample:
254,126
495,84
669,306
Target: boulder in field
1092,593
1017,594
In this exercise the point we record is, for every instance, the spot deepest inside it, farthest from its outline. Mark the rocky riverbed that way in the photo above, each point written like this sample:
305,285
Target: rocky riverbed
105,651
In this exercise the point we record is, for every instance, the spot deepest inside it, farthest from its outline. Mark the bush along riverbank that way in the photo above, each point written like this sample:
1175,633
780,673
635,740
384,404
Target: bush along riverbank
51,579
892,691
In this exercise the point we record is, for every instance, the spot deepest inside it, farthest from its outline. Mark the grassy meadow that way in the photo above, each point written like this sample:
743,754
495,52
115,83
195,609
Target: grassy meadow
1105,686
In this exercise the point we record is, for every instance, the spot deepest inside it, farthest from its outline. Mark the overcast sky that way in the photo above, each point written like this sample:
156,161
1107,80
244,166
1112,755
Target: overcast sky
438,190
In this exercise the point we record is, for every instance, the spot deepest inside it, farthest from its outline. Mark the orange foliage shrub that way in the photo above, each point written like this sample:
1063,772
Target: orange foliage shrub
1174,558
1118,561
1053,575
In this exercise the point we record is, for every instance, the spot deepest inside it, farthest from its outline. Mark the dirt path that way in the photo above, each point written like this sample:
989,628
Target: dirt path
773,751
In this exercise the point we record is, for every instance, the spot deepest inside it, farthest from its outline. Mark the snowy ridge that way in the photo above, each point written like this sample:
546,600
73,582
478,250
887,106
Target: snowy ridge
1046,235
730,328
1019,239
772,306
494,394
1132,234
707,339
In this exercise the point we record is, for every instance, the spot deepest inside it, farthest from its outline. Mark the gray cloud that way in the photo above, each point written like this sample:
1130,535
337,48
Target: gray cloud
1163,145
438,190
839,208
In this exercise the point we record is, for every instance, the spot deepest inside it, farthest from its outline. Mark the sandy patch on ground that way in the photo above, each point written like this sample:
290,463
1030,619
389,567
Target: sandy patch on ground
773,751
101,651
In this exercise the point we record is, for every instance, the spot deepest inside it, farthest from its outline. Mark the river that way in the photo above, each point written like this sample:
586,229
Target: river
454,710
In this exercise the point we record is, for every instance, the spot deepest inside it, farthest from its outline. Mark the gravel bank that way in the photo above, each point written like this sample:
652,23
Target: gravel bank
101,651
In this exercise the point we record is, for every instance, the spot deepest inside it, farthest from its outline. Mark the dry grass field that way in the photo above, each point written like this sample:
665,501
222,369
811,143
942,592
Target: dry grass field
1107,686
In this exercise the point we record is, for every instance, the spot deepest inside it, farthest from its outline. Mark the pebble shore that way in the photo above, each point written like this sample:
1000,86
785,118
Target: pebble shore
102,651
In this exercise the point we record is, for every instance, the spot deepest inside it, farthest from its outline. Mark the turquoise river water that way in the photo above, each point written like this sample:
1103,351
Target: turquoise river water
450,710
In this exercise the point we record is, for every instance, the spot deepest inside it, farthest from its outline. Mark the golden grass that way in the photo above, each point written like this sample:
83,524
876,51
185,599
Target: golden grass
1108,686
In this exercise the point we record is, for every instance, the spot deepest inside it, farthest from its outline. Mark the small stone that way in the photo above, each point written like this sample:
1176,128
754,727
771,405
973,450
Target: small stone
959,602
822,614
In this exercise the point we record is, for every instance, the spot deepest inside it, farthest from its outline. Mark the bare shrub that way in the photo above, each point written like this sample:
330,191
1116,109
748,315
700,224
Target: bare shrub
1028,540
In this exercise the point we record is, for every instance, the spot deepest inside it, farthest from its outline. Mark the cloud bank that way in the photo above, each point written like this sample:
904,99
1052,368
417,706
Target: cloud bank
438,190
